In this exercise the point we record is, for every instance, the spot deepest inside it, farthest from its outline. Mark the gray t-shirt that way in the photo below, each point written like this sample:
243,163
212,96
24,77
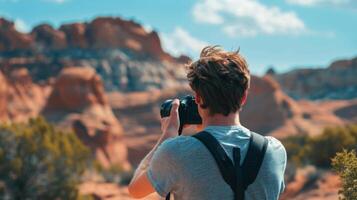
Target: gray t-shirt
184,167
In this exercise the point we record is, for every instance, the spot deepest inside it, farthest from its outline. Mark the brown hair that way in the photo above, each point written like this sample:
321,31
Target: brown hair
220,78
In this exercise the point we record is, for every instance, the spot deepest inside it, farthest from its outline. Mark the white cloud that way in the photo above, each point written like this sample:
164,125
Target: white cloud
148,28
181,42
318,2
213,17
22,26
237,30
247,17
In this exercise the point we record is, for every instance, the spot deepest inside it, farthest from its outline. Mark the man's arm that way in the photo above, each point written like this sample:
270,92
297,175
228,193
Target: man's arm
140,186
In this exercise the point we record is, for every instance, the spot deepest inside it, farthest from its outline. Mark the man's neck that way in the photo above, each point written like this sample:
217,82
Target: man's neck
221,120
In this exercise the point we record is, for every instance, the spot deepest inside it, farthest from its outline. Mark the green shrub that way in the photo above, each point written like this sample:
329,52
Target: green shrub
296,147
345,164
323,147
39,162
318,150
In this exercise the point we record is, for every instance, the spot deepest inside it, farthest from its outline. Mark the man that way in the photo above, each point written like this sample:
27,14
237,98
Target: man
182,165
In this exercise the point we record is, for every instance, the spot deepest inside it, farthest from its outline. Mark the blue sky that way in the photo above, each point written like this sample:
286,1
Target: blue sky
285,34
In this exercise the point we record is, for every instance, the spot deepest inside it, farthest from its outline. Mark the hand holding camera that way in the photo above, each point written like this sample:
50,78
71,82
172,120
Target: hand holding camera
175,114
170,124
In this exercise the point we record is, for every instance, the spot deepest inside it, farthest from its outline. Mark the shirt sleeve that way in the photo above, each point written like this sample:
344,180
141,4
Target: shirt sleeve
283,168
277,160
281,156
163,168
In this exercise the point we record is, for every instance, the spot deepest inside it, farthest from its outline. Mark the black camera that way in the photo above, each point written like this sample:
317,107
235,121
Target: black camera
188,110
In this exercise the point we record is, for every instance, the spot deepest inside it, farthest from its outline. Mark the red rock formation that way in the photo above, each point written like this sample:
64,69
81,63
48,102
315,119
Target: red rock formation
270,111
11,39
267,106
309,183
338,81
3,97
184,59
348,112
117,33
75,35
108,33
20,98
48,37
125,55
78,100
104,141
344,64
101,33
76,88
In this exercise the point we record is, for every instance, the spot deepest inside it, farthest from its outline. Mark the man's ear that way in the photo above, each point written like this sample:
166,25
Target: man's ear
244,98
198,99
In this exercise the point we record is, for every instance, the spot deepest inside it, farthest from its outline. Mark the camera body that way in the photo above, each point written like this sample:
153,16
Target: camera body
188,110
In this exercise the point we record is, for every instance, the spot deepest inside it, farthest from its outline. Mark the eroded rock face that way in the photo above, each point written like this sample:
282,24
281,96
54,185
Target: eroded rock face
11,39
104,141
267,106
348,112
75,35
76,88
338,81
48,37
20,98
3,97
125,55
78,101
311,183
101,33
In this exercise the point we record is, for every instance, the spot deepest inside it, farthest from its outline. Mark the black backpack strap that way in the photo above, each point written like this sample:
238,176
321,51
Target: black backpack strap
239,190
237,176
224,163
254,158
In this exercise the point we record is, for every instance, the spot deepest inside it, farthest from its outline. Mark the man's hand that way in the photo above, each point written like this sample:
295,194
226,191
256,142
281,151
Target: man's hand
170,125
140,185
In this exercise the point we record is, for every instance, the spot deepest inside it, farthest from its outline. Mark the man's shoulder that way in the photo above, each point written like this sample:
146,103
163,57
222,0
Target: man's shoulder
179,145
274,144
276,152
178,142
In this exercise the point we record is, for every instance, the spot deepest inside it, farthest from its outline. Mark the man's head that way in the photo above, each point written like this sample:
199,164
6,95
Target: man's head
220,80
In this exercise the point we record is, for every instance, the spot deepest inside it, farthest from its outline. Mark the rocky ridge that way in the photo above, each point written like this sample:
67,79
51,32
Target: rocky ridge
125,55
338,81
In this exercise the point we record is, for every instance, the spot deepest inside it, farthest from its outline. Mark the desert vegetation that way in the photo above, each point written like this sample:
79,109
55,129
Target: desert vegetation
325,163
304,149
37,161
345,164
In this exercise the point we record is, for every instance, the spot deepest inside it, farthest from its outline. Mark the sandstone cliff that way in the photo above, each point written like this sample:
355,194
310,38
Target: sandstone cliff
78,100
338,81
123,53
20,98
270,111
11,39
267,103
3,97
